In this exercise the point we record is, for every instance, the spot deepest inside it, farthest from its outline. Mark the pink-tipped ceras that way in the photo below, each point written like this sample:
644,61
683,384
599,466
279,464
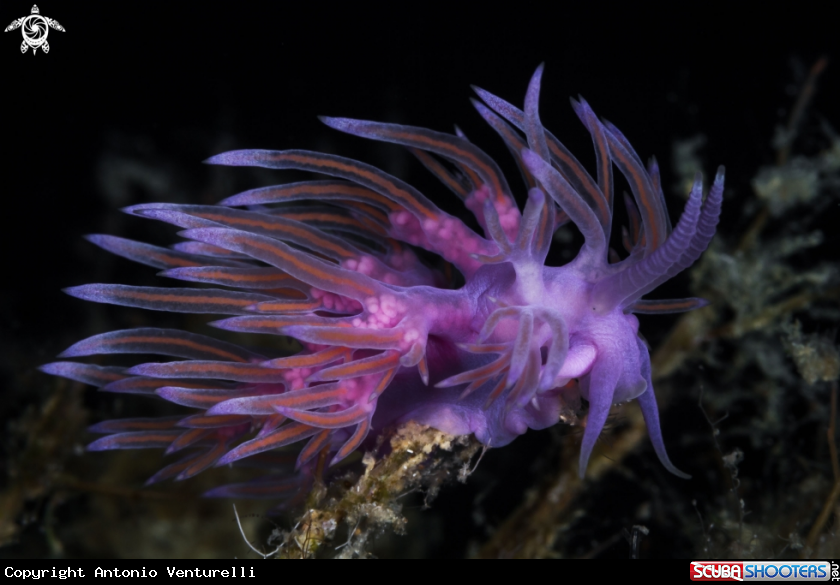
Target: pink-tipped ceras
384,340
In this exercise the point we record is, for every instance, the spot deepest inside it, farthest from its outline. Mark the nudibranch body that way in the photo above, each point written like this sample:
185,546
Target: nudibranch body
331,263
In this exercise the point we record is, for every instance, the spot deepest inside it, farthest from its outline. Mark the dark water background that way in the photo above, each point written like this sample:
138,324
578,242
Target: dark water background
132,97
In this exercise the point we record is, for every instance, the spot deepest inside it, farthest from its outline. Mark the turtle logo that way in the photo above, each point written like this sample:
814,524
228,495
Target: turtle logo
35,29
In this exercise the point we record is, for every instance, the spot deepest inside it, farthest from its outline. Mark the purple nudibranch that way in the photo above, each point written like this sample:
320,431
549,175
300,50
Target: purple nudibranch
385,340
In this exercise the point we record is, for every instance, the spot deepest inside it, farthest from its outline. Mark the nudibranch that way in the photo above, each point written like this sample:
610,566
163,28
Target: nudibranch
385,338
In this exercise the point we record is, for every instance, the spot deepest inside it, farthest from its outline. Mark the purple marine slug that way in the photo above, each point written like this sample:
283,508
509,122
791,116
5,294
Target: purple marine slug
385,339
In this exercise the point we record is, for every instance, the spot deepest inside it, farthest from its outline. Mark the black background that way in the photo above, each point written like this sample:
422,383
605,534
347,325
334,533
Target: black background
166,86
178,83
